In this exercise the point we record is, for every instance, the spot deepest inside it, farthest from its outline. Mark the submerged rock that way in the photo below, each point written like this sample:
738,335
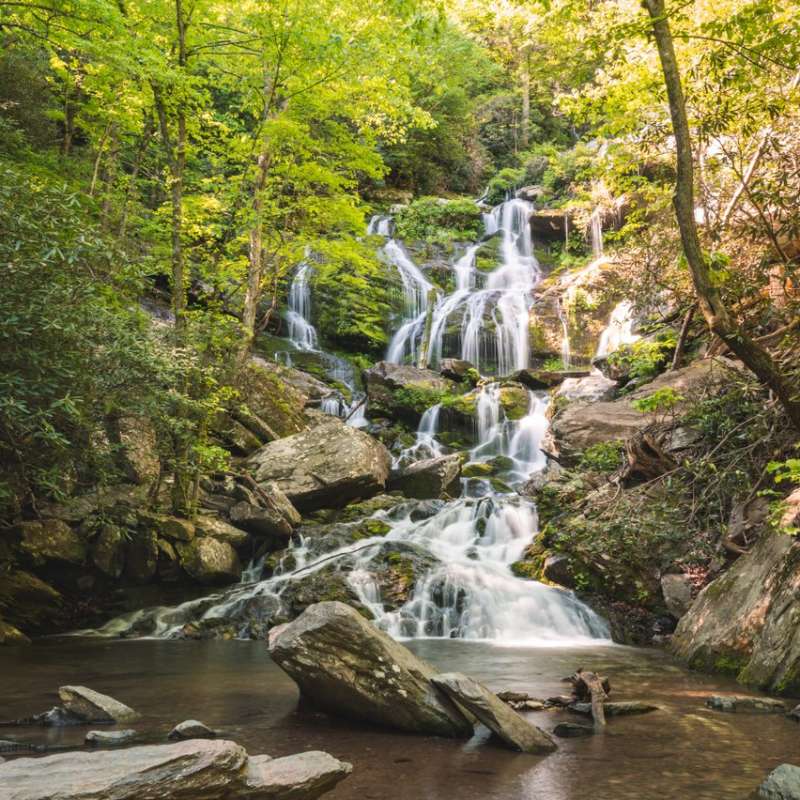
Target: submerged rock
504,722
617,708
92,706
783,783
345,665
572,730
737,704
191,729
430,479
191,770
326,466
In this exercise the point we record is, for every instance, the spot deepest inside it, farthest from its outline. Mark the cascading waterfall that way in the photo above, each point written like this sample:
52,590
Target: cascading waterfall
619,330
502,304
596,233
301,332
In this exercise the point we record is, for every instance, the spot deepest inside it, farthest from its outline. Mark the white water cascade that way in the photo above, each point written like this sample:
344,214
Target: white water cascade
462,549
500,307
596,233
619,330
301,332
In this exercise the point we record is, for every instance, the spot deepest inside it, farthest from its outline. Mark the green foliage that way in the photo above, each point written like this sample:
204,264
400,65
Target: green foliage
434,219
645,358
418,398
659,401
505,182
602,457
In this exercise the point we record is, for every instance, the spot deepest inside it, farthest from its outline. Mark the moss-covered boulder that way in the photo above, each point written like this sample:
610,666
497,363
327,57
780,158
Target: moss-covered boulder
210,561
50,541
431,478
30,604
266,393
400,391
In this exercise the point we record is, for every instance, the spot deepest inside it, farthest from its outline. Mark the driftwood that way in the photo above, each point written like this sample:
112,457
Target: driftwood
591,687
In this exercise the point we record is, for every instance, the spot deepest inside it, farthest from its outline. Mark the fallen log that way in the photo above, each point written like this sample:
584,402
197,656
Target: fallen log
588,686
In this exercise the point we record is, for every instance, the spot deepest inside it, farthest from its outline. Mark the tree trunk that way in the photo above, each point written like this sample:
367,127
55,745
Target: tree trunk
717,316
525,81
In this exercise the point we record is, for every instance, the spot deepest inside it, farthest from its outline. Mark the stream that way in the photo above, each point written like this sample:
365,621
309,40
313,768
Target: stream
682,750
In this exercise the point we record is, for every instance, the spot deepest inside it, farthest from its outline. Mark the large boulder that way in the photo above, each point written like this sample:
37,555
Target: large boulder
502,720
783,783
30,604
677,591
191,770
343,664
326,466
583,424
50,541
745,622
400,391
210,561
431,478
136,447
91,706
587,389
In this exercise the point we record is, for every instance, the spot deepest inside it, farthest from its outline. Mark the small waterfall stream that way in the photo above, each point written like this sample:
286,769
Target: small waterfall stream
619,330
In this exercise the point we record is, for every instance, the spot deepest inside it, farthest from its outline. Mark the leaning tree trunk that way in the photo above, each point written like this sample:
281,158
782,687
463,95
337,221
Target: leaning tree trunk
716,314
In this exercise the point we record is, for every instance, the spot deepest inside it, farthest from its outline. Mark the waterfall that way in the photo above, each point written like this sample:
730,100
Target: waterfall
596,233
301,332
499,308
619,330
425,444
380,225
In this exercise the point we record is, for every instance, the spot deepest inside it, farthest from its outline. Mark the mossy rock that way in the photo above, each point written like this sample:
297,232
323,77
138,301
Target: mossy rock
515,401
370,528
477,469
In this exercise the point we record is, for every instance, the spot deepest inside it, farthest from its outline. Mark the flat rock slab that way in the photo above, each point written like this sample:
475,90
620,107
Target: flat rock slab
93,706
191,770
615,709
737,704
191,729
110,737
345,665
297,777
516,732
783,783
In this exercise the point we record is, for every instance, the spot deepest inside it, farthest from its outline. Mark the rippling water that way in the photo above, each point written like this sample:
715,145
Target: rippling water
682,751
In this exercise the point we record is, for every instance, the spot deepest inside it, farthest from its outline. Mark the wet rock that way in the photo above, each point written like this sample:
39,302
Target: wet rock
260,521
345,665
108,550
191,729
794,714
221,531
477,469
430,479
50,541
210,561
110,738
400,391
543,379
9,635
30,604
589,389
745,622
677,591
738,704
58,717
196,769
557,568
456,369
504,722
92,706
617,708
550,224
324,585
571,730
326,466
303,776
783,783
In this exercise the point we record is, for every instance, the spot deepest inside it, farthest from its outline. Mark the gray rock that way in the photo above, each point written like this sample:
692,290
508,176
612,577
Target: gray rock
783,783
260,521
383,380
516,732
108,550
191,729
456,369
210,561
747,619
326,466
50,541
737,704
93,706
431,478
110,737
299,777
558,570
677,591
190,770
343,664
589,389
221,531
571,730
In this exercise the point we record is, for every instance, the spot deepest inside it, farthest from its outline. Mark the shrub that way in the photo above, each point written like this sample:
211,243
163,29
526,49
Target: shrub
433,219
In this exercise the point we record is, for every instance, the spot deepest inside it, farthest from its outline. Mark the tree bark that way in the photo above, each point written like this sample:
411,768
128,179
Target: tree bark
716,314
525,81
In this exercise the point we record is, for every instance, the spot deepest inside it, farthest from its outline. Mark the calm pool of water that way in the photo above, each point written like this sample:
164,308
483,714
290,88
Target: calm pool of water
683,750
